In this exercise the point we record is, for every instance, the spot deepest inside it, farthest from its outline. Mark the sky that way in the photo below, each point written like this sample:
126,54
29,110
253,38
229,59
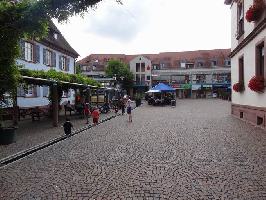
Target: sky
149,26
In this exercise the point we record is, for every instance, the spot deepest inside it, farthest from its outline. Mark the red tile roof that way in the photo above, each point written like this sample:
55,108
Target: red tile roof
165,57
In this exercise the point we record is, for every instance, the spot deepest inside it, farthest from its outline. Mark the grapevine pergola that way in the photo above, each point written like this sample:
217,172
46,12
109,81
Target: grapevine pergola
29,19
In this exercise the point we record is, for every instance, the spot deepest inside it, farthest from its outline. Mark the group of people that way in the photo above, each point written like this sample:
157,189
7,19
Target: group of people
125,104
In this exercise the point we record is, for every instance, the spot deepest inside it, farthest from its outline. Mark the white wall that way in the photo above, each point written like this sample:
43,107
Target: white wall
141,59
248,26
40,100
247,97
41,66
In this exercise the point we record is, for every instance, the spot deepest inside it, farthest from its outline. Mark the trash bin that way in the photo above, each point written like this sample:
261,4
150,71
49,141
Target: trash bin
173,103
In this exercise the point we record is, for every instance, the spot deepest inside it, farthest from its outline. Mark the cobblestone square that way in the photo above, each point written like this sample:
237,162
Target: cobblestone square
196,150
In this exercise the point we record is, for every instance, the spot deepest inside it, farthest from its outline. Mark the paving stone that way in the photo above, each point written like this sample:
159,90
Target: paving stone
196,150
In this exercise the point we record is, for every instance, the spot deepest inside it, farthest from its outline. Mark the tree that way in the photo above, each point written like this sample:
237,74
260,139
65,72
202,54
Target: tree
122,73
29,19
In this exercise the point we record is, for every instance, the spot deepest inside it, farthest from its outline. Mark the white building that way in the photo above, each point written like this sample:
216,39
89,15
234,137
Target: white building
52,52
140,66
248,38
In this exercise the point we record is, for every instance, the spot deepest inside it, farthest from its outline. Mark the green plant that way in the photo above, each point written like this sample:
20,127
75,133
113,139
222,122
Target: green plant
29,19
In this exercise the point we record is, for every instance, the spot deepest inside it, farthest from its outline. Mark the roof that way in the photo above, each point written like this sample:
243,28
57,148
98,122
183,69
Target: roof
166,57
60,43
161,87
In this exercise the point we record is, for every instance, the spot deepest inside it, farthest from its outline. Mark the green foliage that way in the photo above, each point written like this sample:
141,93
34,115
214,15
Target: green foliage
59,76
29,19
120,69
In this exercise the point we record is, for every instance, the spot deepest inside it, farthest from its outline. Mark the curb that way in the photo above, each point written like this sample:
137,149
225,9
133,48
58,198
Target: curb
27,152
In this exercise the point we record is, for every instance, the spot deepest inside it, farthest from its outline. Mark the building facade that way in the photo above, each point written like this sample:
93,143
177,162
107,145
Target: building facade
194,74
52,52
248,60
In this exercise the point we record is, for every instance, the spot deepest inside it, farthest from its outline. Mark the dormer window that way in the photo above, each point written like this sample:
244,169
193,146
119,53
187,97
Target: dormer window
55,36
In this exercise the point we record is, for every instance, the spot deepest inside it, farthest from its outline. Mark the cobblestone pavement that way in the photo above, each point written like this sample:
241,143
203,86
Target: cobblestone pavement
31,133
194,151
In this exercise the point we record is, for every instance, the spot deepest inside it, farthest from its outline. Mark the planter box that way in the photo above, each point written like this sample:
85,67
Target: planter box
7,135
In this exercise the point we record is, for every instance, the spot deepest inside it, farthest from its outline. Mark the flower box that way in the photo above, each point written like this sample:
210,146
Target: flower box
238,87
254,12
256,84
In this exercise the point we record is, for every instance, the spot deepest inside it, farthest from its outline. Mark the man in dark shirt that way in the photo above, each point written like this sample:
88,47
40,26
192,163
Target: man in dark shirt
67,127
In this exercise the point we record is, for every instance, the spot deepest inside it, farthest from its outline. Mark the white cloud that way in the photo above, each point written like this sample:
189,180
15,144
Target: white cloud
150,26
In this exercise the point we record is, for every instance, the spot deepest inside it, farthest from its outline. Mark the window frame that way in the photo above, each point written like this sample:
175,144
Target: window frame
240,19
63,61
138,67
48,57
241,70
260,64
28,46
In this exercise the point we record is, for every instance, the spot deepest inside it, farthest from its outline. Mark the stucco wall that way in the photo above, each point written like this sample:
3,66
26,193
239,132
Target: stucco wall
40,100
247,97
248,27
141,59
41,66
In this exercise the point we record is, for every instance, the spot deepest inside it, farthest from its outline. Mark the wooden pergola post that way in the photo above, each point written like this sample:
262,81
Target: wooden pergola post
15,110
55,104
97,93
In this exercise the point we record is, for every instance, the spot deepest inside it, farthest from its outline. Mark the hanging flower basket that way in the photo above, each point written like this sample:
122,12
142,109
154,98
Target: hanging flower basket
238,87
256,84
254,12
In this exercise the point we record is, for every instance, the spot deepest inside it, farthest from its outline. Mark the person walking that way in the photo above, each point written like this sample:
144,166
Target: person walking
67,127
87,112
129,109
123,105
95,116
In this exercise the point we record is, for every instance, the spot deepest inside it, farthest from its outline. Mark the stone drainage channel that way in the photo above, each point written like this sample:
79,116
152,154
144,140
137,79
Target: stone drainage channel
27,152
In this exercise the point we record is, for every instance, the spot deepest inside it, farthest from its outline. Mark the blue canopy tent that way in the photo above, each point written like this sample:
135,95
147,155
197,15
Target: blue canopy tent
161,88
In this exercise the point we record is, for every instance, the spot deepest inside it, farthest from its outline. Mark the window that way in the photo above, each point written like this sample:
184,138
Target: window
137,67
260,60
148,78
227,63
62,63
142,67
200,64
47,60
137,79
214,63
31,91
28,51
142,79
45,91
241,70
240,19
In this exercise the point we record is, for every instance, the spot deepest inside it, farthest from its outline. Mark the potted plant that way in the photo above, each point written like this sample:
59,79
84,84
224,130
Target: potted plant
138,100
238,87
254,12
256,84
7,130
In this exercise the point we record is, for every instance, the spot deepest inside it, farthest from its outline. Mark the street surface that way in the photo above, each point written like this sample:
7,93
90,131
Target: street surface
196,150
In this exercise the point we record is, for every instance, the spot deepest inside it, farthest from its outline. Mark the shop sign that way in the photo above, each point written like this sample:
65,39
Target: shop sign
207,86
196,87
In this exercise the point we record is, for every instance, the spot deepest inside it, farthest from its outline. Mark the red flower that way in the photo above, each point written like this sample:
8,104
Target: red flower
256,84
238,87
254,11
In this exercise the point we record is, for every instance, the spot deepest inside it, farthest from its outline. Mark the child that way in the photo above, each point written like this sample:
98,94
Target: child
67,127
87,112
95,116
